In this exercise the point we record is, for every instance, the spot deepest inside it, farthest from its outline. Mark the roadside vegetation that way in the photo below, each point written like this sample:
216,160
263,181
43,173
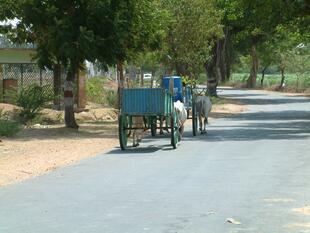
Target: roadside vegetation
100,92
8,127
272,82
238,42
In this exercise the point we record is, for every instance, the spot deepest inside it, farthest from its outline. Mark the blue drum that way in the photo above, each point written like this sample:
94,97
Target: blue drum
177,87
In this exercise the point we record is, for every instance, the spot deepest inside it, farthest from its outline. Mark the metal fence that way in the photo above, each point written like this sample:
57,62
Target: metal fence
16,77
29,74
24,75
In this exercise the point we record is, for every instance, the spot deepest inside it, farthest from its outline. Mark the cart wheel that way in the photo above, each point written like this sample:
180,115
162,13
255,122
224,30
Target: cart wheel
122,131
174,131
153,127
194,119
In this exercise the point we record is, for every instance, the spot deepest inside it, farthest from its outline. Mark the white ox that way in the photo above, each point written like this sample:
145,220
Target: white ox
138,122
181,115
203,107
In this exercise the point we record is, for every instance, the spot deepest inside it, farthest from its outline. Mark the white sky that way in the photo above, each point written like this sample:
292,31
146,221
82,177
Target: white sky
9,22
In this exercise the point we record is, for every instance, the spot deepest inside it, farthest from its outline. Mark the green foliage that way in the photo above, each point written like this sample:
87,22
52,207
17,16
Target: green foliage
98,93
31,99
4,115
9,128
193,27
94,89
142,31
112,98
292,81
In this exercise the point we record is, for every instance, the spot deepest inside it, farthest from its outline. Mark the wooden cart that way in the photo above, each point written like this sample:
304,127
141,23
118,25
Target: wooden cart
152,104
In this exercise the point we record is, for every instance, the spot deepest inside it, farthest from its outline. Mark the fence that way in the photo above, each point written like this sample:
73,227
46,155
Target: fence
20,76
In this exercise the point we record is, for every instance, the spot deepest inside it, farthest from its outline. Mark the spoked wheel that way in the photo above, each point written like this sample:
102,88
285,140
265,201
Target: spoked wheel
194,119
123,131
174,131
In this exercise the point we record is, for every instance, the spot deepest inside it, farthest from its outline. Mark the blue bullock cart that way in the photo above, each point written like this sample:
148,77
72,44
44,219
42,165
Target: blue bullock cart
184,94
151,104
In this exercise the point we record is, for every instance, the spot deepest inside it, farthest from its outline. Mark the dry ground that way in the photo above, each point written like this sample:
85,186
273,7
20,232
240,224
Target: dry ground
43,148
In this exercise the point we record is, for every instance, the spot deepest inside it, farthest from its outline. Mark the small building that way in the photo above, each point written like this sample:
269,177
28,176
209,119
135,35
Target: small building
18,69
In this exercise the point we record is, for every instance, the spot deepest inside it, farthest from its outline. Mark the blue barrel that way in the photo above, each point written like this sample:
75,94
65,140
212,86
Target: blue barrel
177,87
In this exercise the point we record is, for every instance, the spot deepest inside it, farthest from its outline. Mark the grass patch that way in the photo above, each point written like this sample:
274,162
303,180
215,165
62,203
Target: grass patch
98,93
9,128
293,82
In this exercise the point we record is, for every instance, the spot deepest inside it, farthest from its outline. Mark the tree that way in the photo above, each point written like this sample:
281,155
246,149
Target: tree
69,32
266,54
292,50
193,27
143,31
252,23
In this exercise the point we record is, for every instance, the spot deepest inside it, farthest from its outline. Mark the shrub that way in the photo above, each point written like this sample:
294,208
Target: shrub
94,90
112,98
99,94
2,114
9,128
31,99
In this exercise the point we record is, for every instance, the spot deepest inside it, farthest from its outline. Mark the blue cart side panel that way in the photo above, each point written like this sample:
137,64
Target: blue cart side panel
177,87
146,101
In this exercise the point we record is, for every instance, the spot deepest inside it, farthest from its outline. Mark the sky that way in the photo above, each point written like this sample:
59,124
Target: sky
9,22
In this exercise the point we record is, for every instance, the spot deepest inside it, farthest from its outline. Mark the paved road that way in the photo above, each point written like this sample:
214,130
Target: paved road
254,168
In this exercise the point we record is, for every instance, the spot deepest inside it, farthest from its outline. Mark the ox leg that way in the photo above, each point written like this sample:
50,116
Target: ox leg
135,142
181,130
137,137
200,122
205,121
161,132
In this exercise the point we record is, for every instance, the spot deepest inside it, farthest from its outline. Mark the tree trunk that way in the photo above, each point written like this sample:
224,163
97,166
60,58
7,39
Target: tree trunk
181,70
223,55
153,79
218,68
251,82
219,60
211,74
120,71
69,100
141,78
263,75
282,78
57,86
226,60
120,79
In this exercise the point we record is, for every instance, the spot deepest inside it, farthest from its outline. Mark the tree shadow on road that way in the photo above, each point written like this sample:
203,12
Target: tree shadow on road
250,98
282,125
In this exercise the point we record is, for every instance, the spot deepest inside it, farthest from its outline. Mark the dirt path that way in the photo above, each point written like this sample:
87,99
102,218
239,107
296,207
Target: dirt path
41,149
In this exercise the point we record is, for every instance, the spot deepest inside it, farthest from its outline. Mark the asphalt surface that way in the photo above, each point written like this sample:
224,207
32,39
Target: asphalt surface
253,168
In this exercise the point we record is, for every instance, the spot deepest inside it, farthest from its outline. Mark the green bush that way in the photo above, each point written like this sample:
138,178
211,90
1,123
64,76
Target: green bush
9,128
2,114
99,94
94,90
112,100
31,100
